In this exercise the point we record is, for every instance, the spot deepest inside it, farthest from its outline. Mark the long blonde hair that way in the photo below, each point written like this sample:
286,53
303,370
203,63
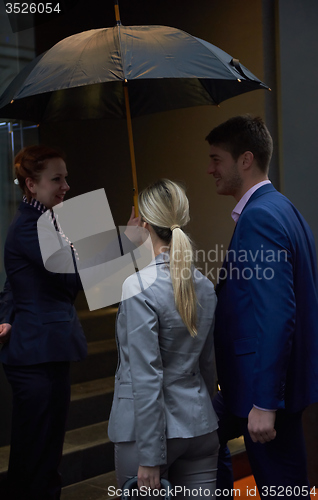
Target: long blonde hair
164,205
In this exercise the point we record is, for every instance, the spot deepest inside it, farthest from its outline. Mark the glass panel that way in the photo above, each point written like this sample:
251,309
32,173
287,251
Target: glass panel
13,137
16,50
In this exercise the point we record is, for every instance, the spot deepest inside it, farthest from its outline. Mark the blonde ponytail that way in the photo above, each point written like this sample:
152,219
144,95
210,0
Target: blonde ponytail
165,207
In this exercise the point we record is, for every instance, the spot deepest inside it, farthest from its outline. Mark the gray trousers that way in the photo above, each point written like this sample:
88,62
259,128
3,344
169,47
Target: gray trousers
191,465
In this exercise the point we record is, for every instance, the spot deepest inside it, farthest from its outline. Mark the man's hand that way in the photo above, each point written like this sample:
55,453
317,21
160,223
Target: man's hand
5,332
261,425
149,477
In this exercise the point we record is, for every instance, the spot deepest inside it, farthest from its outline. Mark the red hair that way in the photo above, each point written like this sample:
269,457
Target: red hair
30,162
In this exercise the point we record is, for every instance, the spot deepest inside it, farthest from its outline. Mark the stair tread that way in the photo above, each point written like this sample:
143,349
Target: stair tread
85,437
92,388
99,346
4,458
95,488
236,445
86,314
90,436
76,439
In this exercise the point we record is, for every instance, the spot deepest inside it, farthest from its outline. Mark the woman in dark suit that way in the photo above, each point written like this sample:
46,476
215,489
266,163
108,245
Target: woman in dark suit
162,420
45,335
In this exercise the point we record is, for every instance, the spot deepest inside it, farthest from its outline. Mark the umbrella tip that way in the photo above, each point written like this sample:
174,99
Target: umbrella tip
240,81
12,101
269,89
117,14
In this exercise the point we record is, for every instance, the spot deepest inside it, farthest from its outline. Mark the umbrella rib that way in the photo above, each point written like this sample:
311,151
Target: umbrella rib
121,55
78,63
217,57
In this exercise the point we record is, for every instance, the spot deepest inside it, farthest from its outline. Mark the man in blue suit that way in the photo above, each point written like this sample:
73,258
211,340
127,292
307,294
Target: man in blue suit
266,333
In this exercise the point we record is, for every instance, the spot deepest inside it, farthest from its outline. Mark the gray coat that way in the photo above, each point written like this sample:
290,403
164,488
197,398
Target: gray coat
165,378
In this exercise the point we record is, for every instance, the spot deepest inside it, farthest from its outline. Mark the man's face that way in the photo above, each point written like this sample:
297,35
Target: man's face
225,171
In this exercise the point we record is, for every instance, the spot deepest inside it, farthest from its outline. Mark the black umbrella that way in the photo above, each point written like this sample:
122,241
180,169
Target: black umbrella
88,75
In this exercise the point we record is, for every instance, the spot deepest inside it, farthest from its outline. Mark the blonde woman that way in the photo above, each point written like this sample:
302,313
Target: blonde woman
162,420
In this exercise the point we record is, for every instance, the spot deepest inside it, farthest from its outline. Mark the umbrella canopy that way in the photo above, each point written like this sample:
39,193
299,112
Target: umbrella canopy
87,76
82,76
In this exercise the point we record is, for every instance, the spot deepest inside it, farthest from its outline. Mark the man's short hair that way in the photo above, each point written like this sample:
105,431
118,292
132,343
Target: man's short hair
244,133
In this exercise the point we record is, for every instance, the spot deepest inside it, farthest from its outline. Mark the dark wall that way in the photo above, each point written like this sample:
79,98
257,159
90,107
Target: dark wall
298,47
182,14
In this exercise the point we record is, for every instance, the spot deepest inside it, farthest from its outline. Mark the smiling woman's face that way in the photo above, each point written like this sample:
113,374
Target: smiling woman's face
52,186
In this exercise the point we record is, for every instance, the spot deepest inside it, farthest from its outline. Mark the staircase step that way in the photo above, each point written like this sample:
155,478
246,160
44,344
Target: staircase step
101,362
103,487
95,488
4,460
81,302
99,324
90,402
87,453
240,463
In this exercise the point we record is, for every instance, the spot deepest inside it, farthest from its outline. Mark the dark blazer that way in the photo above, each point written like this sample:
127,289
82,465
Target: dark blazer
266,333
6,304
45,326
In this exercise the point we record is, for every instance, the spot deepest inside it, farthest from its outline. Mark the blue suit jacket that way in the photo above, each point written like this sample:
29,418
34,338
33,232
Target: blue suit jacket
266,333
45,326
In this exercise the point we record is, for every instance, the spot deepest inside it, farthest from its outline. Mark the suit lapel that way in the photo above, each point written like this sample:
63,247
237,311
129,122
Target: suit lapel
223,271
